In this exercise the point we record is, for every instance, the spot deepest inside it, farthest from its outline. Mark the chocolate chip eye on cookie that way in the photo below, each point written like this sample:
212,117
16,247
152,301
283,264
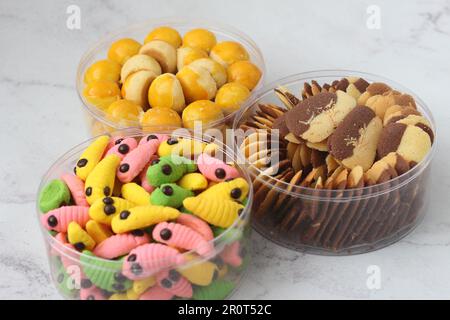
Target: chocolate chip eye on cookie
334,140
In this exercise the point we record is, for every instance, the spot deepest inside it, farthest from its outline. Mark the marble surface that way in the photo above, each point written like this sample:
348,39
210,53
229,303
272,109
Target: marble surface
40,118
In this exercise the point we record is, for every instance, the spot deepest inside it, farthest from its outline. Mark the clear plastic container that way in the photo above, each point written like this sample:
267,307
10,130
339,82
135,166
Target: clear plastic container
336,222
68,266
97,120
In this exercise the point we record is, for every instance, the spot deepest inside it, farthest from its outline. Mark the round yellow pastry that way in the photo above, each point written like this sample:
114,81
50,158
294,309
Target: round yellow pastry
166,34
163,52
217,71
135,87
228,52
123,49
245,73
161,118
166,91
202,110
231,96
101,93
137,63
200,38
197,83
103,70
123,111
185,55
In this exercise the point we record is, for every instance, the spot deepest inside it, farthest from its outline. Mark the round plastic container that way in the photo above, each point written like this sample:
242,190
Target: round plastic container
97,120
230,256
336,222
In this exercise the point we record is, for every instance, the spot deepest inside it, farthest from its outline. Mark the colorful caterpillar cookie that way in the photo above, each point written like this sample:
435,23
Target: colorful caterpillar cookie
220,213
148,259
170,194
179,236
236,189
196,224
79,238
59,219
181,147
76,187
141,217
103,210
169,169
100,182
121,244
135,194
133,163
123,147
215,169
53,195
90,157
175,283
90,292
105,274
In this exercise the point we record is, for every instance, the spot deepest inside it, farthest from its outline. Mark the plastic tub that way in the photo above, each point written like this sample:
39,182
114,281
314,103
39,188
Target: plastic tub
97,119
67,266
336,222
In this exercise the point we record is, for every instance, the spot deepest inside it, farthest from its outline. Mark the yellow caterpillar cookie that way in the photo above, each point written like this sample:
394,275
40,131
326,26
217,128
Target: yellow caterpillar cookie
236,189
103,210
218,212
193,181
100,182
90,157
142,217
136,194
80,239
200,274
140,286
181,147
98,231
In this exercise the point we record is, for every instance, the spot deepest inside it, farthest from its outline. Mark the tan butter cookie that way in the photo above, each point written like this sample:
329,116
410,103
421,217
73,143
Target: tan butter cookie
354,142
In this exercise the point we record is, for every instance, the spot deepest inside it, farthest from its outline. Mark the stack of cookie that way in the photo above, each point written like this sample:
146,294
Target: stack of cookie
345,151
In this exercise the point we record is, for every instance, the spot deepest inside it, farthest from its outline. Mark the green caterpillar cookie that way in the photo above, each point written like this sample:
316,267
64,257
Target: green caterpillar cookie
217,290
169,169
105,274
64,283
170,194
53,195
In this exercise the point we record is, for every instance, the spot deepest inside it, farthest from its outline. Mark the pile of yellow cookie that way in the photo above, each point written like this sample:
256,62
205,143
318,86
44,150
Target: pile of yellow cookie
170,80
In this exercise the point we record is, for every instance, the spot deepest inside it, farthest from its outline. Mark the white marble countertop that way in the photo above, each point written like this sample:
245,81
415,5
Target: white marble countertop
41,118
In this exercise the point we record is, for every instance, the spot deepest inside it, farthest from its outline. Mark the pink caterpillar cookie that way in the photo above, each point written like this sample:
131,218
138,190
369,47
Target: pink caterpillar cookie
196,224
123,147
231,254
180,236
136,160
59,219
175,283
121,244
155,136
114,141
214,169
88,291
156,293
76,187
150,258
